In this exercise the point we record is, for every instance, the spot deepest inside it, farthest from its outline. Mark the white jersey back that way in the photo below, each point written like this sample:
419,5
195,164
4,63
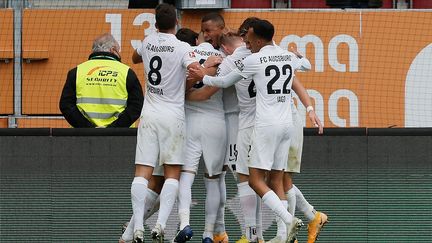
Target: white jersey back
245,89
165,61
272,70
214,105
230,101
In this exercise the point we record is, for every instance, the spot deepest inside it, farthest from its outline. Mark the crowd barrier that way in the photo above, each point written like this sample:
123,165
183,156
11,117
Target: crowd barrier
73,185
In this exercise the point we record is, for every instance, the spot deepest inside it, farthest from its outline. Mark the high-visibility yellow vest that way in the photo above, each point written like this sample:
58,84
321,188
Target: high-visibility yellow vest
101,90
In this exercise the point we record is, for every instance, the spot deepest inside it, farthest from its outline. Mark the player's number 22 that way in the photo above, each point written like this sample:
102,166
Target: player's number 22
276,76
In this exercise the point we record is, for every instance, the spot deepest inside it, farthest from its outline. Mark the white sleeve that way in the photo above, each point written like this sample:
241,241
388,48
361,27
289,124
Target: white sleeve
188,56
224,68
223,81
305,64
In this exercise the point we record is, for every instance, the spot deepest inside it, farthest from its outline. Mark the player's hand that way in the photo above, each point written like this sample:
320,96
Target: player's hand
316,121
212,61
294,50
196,74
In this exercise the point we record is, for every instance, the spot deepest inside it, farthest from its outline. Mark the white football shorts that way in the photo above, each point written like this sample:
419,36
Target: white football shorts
296,145
270,147
160,140
244,148
231,120
206,136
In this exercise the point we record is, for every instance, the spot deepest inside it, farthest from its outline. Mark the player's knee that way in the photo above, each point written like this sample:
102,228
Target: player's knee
274,183
253,183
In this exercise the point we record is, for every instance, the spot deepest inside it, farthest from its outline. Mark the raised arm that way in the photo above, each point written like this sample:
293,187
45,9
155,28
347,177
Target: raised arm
305,64
136,57
190,83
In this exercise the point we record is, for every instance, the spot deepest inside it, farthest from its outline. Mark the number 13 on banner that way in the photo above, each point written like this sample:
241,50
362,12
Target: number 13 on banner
116,26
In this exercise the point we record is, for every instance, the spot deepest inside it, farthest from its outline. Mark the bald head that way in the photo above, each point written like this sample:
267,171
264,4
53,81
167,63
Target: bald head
105,43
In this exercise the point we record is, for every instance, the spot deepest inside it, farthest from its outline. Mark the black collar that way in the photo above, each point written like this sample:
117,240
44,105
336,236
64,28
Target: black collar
104,55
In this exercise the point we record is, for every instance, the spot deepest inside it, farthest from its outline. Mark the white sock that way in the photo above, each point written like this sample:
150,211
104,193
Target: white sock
138,195
274,203
185,198
259,218
168,197
303,205
220,218
152,204
248,204
291,198
128,234
211,206
281,226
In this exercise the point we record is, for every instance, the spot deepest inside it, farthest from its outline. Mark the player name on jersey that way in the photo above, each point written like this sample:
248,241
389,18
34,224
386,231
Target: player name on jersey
155,90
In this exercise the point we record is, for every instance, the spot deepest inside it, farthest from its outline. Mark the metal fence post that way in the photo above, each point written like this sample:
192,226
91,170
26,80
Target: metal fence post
17,6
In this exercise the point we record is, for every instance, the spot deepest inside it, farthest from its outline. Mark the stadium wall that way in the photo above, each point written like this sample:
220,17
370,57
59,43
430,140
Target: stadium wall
371,68
73,185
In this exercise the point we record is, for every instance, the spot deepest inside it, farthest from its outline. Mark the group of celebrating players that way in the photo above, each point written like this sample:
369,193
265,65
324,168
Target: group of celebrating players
207,94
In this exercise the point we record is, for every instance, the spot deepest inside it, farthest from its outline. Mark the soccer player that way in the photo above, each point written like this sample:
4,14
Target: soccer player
295,198
245,91
206,137
250,203
161,131
212,27
272,70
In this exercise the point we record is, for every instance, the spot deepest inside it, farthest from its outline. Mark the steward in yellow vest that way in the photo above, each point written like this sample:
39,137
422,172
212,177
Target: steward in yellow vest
102,92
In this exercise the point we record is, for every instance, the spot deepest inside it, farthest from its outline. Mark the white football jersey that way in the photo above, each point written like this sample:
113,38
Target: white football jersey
230,101
165,61
272,70
245,89
214,105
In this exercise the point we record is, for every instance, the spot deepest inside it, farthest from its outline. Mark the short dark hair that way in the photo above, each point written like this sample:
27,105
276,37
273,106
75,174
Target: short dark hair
187,35
215,17
166,16
263,29
244,27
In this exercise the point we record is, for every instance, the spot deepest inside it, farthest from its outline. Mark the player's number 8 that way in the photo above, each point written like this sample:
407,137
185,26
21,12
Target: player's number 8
154,71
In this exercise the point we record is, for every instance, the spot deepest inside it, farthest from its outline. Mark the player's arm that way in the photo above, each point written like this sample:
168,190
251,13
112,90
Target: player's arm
225,77
197,74
305,99
201,94
204,93
136,57
305,64
191,83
